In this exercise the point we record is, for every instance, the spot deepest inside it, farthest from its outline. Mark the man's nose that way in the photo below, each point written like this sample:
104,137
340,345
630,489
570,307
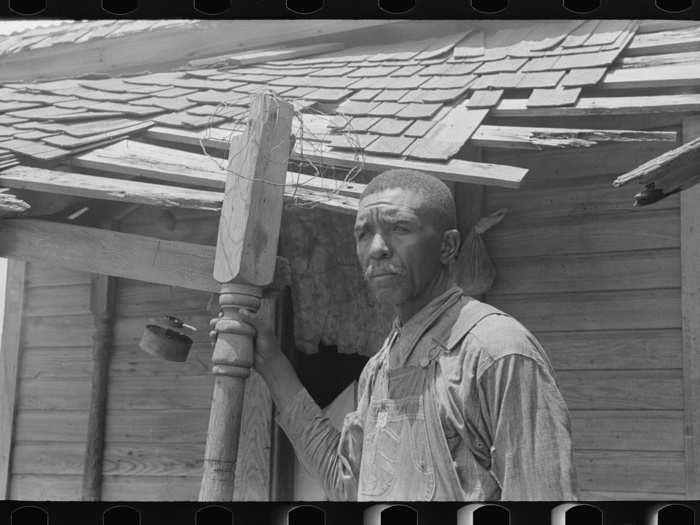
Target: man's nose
379,247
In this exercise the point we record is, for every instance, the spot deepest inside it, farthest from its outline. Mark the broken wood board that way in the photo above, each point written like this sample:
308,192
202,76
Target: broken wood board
446,138
662,42
110,253
520,137
642,61
455,170
676,166
603,106
92,187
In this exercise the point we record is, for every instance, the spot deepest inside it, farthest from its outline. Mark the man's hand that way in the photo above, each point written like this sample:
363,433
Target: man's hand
267,347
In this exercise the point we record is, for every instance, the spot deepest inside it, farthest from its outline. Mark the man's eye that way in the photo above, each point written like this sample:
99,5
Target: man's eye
399,228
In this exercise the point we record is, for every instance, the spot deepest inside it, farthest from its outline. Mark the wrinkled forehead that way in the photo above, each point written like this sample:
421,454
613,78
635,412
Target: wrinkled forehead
392,203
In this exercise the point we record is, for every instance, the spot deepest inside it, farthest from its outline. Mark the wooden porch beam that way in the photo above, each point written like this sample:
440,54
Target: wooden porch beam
89,186
664,76
675,170
102,299
107,252
9,362
455,170
637,105
132,159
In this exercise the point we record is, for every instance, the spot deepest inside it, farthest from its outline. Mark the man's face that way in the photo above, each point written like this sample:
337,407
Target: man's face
397,245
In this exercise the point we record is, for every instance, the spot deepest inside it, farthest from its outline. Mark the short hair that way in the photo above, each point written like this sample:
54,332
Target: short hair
438,198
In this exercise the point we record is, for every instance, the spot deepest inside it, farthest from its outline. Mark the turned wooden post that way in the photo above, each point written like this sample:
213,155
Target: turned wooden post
245,262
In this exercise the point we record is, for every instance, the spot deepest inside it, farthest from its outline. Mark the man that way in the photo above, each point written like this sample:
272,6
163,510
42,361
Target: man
460,403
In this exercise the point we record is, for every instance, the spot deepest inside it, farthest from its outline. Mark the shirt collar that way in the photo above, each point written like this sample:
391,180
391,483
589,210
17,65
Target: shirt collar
411,331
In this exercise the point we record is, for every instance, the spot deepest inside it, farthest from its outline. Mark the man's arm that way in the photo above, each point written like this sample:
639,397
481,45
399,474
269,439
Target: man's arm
531,454
331,455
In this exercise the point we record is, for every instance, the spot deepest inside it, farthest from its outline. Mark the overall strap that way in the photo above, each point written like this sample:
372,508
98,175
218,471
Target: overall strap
470,315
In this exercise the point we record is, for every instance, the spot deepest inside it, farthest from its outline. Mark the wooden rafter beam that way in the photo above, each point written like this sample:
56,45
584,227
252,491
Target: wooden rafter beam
107,252
92,187
131,159
663,76
454,170
673,171
671,41
596,106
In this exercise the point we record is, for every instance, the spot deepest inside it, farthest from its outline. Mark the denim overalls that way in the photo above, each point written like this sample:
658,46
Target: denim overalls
405,455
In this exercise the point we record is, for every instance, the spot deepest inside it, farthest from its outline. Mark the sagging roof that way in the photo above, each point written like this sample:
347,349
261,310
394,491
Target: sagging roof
413,103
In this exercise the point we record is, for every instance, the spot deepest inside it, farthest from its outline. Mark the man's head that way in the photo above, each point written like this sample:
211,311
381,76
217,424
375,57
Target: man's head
405,234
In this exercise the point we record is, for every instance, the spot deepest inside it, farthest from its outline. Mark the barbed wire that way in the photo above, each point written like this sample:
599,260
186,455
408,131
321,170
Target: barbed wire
309,142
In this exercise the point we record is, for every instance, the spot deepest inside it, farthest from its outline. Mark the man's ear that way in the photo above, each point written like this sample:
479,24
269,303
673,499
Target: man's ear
449,250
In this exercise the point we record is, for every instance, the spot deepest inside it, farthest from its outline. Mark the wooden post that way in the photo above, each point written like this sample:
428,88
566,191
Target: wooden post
244,262
690,303
102,307
9,360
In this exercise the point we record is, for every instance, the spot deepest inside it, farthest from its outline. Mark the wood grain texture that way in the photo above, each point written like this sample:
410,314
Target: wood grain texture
547,167
124,460
9,360
110,253
585,234
123,426
613,310
652,430
455,170
630,471
116,488
57,300
662,42
690,297
581,197
102,299
68,363
623,105
253,468
637,270
58,332
521,137
141,393
622,389
88,186
644,349
673,170
447,136
42,274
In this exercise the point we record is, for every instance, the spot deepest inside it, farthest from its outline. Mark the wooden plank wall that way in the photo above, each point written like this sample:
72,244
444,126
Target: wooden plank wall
598,282
158,411
53,385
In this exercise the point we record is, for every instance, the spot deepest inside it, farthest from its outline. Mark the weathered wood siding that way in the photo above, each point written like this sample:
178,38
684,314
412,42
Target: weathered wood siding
53,385
598,282
158,411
